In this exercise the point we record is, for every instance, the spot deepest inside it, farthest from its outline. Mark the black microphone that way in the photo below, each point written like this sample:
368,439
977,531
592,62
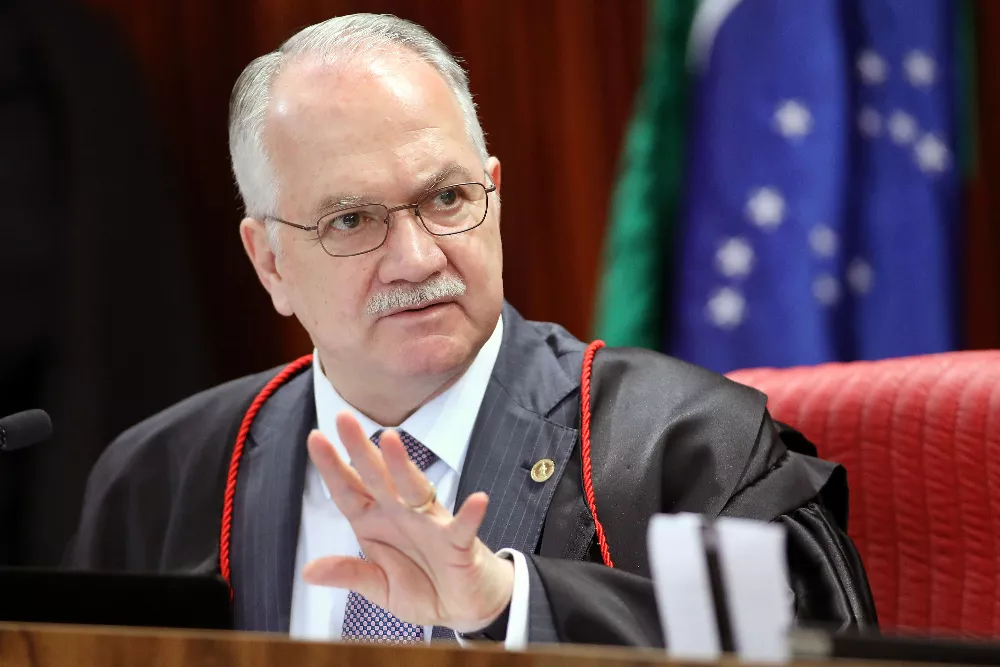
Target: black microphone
24,429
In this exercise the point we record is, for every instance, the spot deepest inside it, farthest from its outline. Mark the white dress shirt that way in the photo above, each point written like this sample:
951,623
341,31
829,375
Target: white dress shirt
444,426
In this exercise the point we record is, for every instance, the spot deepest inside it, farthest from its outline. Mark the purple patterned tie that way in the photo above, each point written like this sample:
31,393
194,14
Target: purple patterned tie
365,621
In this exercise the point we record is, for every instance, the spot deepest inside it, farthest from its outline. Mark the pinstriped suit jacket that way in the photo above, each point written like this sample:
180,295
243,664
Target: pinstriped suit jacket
667,437
529,412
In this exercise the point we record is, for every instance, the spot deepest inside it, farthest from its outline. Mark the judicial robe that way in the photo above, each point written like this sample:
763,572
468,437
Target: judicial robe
666,437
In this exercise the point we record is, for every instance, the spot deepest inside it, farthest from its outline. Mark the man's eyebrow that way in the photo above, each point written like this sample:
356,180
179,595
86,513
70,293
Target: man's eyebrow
444,174
438,178
335,201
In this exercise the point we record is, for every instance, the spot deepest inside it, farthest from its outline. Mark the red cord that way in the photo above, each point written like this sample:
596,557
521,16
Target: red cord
234,461
588,475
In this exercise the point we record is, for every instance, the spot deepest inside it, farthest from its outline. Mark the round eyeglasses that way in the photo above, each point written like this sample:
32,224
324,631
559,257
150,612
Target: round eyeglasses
360,229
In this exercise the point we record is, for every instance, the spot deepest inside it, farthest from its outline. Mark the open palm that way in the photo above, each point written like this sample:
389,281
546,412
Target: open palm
425,566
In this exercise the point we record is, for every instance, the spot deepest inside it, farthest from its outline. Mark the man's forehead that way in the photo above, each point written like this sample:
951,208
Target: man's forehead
378,105
309,85
370,127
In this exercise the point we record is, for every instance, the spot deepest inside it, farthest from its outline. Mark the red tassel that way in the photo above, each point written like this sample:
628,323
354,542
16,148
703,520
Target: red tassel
234,461
588,475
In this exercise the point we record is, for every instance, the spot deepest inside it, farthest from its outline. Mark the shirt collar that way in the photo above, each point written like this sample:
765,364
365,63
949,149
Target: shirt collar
443,425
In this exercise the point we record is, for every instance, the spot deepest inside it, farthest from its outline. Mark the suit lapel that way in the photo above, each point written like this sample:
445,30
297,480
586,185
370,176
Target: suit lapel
507,441
528,414
268,507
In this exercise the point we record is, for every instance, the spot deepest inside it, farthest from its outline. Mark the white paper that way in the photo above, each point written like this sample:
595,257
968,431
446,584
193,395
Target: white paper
755,572
683,592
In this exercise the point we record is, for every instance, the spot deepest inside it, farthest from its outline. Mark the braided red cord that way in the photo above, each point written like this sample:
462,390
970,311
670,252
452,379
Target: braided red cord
588,475
234,461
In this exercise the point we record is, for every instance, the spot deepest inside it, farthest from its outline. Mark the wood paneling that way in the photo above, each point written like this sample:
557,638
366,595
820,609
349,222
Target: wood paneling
554,81
981,273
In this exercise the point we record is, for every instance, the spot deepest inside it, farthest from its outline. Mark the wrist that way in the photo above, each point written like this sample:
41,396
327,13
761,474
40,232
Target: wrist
493,625
496,631
503,587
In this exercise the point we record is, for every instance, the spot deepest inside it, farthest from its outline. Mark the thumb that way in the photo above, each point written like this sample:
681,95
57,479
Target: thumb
348,572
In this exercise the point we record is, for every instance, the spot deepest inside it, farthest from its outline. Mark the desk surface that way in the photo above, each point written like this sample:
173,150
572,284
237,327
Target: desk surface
72,646
69,646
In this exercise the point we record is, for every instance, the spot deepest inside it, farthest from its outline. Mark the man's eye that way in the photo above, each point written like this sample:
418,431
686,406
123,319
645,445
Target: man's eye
446,198
347,221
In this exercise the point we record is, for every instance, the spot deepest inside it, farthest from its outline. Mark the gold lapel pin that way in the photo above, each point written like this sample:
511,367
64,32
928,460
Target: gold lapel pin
542,470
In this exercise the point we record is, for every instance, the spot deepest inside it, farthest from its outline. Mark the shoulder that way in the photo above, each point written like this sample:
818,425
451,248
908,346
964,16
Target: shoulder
163,477
697,427
538,366
655,396
190,429
560,343
622,373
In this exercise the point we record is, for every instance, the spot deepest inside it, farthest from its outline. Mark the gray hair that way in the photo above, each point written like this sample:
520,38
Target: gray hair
336,38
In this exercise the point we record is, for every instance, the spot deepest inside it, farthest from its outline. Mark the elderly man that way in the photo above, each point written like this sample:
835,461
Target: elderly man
438,465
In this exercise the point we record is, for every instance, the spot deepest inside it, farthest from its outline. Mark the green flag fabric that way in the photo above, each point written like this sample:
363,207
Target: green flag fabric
633,291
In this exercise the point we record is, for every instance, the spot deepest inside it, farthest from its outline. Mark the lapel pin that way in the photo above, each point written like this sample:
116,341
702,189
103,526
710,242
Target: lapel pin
542,470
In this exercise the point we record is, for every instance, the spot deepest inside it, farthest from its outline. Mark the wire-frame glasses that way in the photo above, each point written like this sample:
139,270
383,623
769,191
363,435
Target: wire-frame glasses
452,209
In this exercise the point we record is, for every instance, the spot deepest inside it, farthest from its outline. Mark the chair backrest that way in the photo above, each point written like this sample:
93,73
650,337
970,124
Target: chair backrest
920,438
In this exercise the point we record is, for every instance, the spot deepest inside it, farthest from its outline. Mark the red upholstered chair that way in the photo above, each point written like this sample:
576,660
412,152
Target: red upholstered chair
920,438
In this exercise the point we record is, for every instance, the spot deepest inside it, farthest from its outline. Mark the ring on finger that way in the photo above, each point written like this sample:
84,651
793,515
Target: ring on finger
427,504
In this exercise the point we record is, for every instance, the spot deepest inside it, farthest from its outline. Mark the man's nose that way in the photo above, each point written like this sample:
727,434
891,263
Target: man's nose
412,253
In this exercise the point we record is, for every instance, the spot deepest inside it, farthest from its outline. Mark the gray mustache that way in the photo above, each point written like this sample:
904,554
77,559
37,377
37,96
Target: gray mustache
414,296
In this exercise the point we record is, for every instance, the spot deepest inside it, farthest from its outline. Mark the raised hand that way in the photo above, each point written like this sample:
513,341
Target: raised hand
422,564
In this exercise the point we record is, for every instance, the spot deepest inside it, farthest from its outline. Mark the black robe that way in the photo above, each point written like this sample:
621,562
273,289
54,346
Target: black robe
666,437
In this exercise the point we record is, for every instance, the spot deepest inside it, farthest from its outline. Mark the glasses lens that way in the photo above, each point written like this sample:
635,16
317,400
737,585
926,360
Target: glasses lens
353,231
454,209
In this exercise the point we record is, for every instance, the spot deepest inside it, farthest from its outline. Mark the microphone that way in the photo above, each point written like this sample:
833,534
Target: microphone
24,429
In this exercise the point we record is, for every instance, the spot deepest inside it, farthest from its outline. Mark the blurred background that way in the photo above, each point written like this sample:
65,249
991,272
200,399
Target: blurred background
736,182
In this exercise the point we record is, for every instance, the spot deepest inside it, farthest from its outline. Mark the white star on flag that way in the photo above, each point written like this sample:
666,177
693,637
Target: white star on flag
793,119
921,70
734,258
823,241
872,68
870,122
727,308
902,127
826,289
766,208
860,276
932,154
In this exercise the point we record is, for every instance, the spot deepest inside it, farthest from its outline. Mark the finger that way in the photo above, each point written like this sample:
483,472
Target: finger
464,529
346,488
365,457
351,573
412,485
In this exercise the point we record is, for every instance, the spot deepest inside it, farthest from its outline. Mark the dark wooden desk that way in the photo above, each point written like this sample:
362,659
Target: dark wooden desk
78,646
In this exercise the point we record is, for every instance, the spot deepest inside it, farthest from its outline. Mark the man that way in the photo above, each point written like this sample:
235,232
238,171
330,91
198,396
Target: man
373,216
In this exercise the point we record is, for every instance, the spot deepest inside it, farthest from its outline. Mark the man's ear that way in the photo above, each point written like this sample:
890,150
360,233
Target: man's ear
253,233
493,169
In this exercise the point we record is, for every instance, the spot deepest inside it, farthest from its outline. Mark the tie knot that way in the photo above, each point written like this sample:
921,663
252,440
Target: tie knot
420,455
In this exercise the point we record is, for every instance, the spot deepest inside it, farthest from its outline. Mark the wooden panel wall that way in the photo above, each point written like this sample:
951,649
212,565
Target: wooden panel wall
554,80
981,288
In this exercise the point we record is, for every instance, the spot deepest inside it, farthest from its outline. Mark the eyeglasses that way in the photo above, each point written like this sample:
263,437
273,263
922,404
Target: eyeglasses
361,229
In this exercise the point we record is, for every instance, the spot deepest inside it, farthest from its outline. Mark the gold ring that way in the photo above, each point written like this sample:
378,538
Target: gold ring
427,504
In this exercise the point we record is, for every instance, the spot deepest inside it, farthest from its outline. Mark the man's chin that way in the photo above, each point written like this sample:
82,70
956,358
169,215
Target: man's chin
432,356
